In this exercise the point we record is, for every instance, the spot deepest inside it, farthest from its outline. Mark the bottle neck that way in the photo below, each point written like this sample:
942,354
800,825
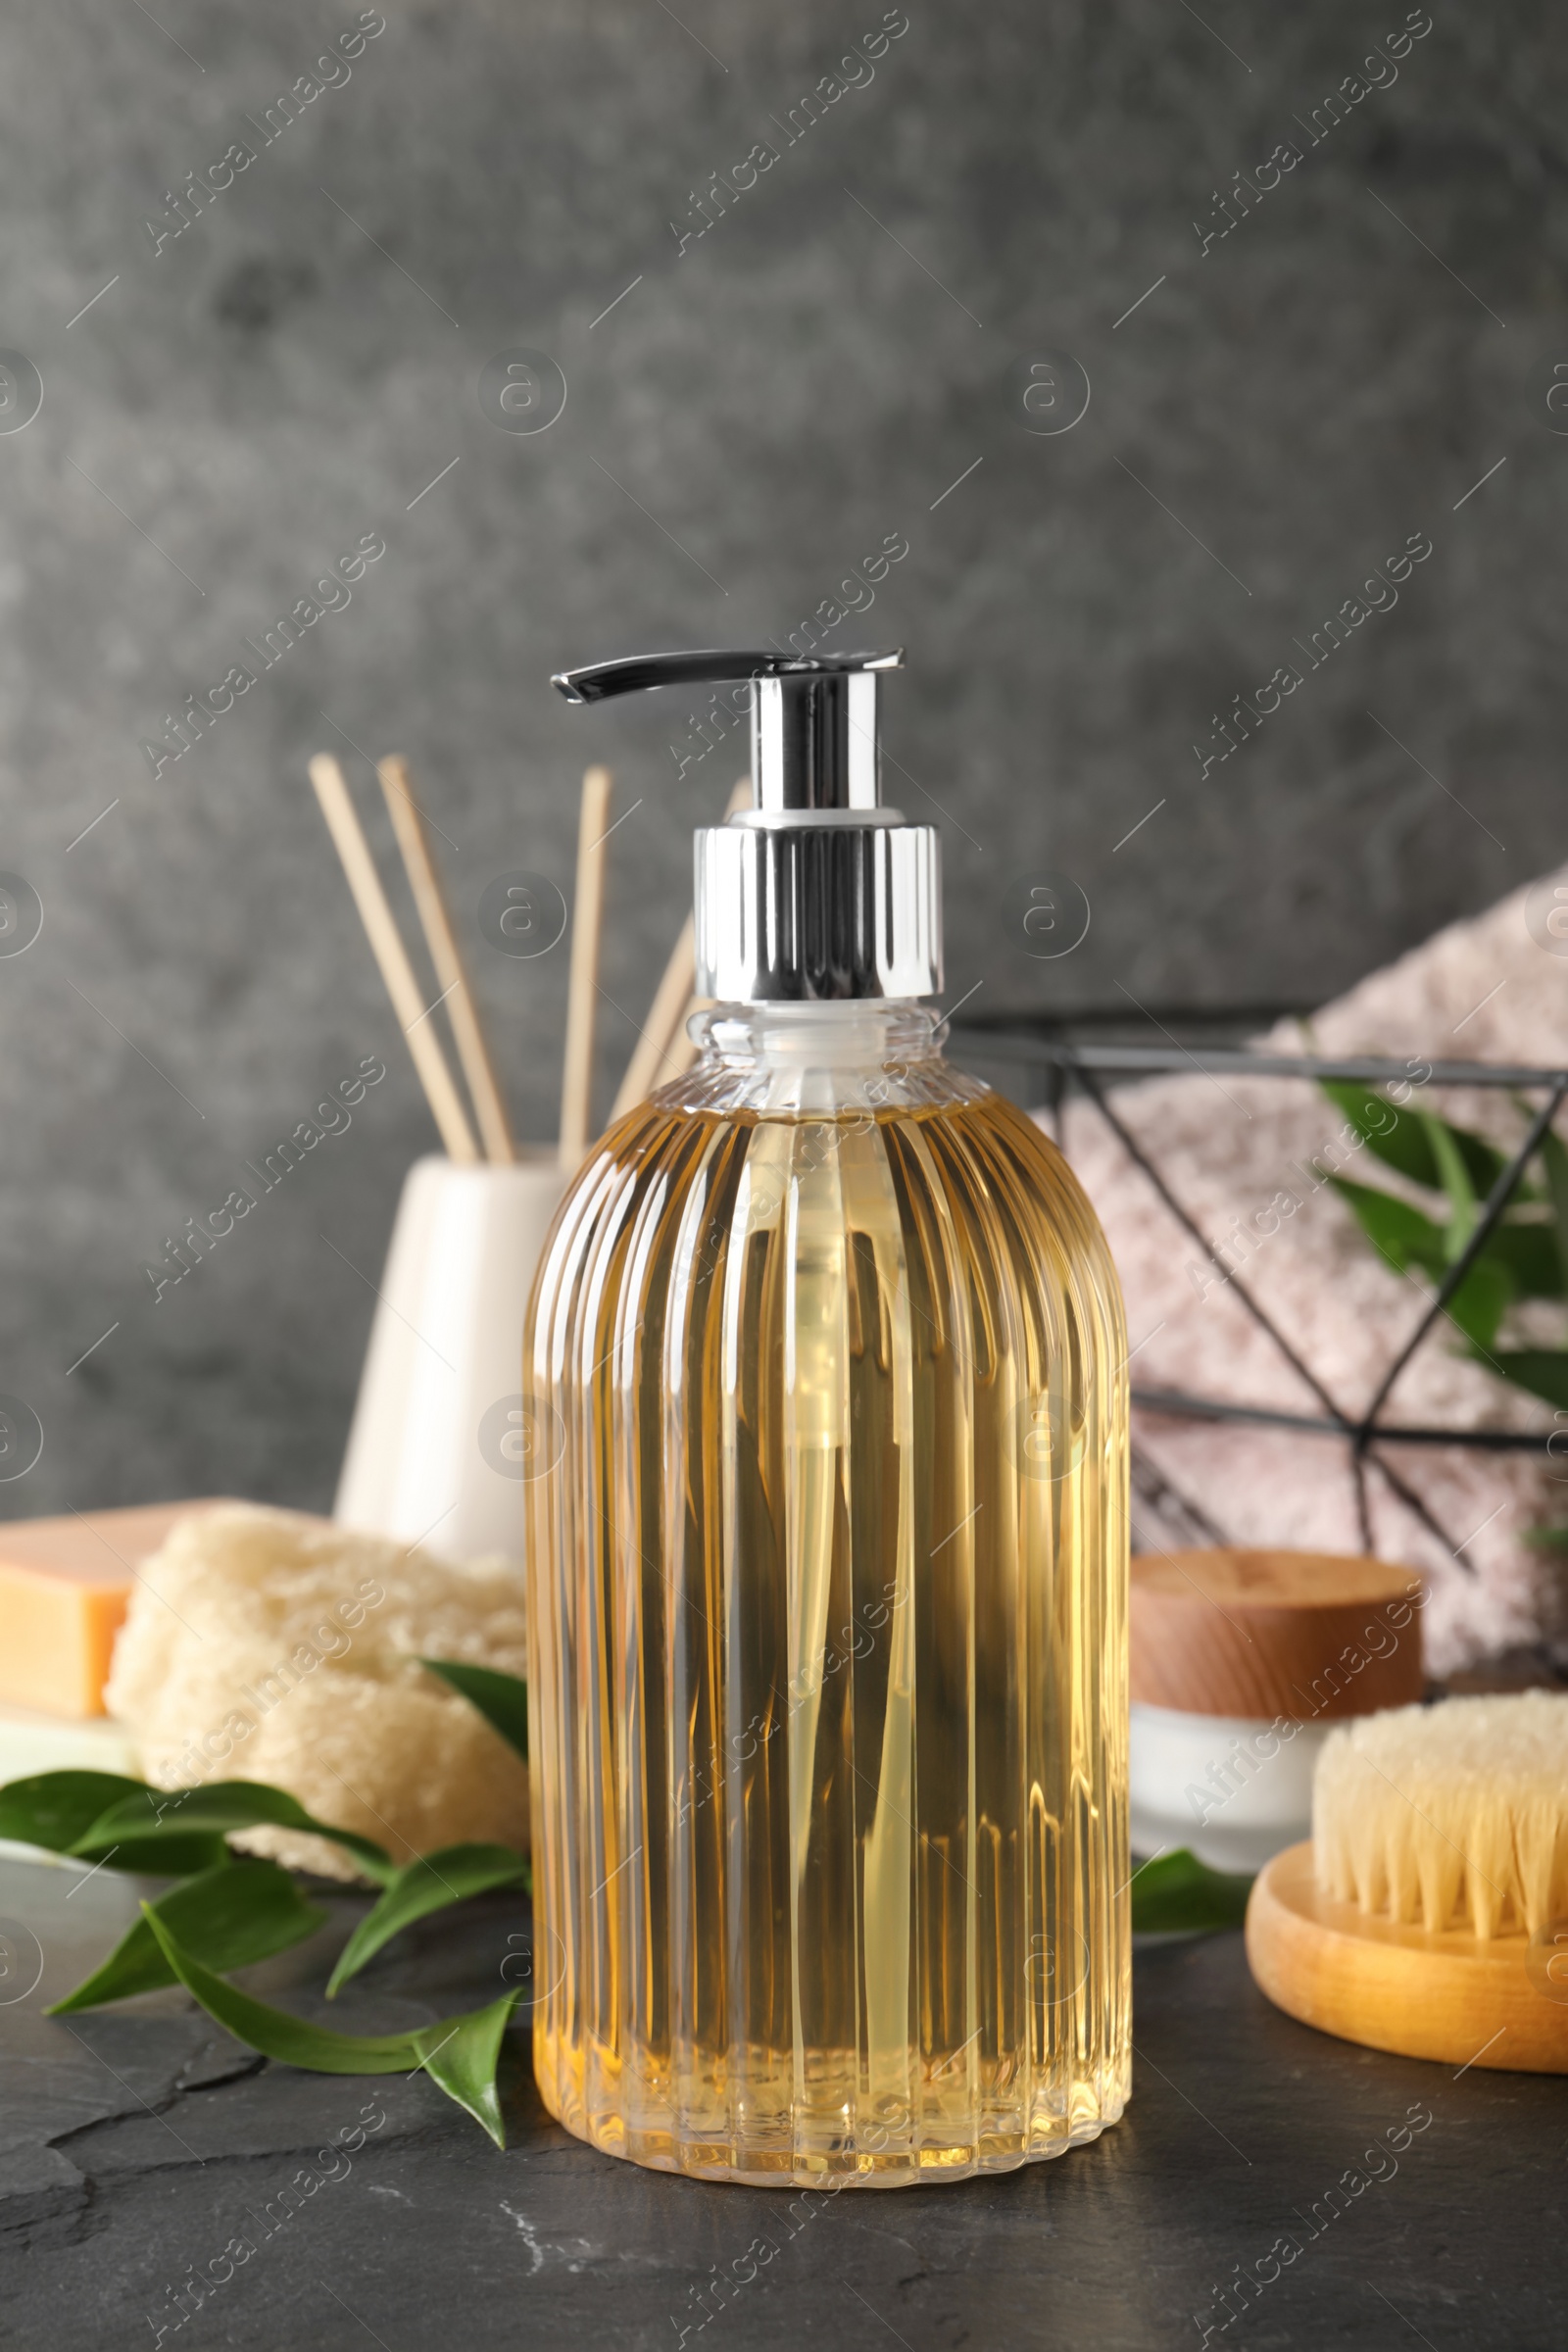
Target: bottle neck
850,1034
820,1060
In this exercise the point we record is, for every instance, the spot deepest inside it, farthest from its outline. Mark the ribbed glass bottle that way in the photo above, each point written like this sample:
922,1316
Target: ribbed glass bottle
825,1365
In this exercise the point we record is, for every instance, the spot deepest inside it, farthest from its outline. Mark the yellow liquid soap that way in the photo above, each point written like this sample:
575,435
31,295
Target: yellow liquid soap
826,1373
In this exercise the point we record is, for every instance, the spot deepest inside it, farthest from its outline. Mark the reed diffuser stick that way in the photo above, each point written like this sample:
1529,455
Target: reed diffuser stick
670,999
587,914
656,1057
386,944
407,823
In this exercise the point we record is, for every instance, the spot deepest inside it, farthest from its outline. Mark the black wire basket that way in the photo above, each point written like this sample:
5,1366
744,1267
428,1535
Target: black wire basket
1067,1056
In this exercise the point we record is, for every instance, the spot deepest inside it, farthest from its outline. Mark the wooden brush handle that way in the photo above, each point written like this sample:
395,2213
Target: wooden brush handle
1446,1996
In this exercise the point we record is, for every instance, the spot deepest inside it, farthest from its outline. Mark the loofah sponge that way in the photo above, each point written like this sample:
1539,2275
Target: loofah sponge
265,1645
1452,1816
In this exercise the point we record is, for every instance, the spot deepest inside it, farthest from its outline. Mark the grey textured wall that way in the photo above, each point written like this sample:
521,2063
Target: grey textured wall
769,402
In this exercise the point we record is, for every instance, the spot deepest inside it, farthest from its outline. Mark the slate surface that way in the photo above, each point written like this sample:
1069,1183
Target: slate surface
228,411
134,2147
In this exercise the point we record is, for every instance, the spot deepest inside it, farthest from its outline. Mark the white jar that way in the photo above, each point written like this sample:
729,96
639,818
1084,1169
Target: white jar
1235,1789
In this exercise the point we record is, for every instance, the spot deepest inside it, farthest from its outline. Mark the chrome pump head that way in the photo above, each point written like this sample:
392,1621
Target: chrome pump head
817,892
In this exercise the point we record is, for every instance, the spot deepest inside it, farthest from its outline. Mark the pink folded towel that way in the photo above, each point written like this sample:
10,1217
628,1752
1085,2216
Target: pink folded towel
1244,1156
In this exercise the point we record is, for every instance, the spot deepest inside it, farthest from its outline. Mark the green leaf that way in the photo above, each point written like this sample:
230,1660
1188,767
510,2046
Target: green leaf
54,1809
1532,1255
1554,1160
462,2057
1480,1302
1178,1892
168,1857
460,2053
240,1911
155,1818
276,2034
1543,1371
501,1698
1545,1538
1396,1135
1405,1238
1455,1180
1396,1230
1402,1139
448,1876
1483,1164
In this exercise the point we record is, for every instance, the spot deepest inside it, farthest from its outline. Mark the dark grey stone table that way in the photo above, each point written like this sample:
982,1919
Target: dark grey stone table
136,2143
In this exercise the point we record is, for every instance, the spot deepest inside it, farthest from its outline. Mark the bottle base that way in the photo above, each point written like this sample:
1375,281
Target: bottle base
754,2165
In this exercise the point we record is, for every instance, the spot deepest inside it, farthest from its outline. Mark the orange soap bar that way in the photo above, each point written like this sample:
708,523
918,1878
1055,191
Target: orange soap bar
63,1587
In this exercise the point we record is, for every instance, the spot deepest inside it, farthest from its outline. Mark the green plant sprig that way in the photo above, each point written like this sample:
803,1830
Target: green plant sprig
227,1910
1524,1256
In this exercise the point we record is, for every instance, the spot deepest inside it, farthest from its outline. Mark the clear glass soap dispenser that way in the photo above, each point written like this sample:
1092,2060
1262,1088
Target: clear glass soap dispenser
827,1574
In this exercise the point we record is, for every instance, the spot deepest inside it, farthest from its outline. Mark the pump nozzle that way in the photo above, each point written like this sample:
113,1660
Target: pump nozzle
643,671
814,718
816,889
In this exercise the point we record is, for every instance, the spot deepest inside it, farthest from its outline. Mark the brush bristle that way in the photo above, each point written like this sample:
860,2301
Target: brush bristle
1452,1816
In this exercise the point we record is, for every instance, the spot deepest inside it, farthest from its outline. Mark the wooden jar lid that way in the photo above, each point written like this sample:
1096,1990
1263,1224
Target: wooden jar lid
1309,1634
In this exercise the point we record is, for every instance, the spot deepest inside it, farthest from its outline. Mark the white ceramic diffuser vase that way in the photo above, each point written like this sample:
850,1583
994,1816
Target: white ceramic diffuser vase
440,1448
